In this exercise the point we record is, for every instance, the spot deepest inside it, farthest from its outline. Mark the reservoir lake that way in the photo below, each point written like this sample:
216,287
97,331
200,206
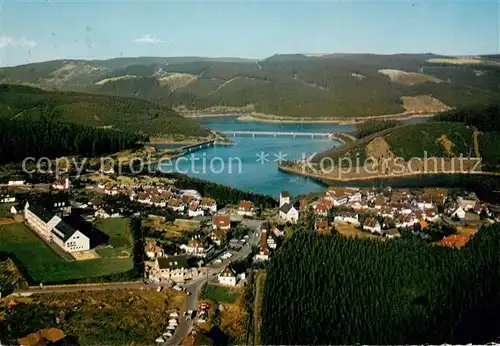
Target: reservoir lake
250,164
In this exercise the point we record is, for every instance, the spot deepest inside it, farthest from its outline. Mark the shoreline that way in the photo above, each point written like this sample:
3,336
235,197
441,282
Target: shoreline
327,179
217,115
267,118
275,119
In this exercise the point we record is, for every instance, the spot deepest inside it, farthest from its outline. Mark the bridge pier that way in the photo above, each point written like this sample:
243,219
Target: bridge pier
275,135
234,134
253,135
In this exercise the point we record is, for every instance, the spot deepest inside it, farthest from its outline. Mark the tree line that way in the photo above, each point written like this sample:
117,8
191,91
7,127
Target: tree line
373,126
224,195
327,289
483,117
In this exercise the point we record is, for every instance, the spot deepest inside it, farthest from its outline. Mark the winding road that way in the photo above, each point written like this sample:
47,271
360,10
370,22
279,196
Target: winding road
195,286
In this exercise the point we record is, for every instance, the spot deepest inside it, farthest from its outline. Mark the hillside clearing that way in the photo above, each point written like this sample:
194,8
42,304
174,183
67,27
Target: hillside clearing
408,78
177,80
423,104
461,61
113,79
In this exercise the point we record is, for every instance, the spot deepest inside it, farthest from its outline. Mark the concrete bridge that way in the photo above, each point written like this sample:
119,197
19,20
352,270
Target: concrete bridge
272,133
196,146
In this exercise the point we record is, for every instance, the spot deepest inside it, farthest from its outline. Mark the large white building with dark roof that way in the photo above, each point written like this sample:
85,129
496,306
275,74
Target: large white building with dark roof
53,229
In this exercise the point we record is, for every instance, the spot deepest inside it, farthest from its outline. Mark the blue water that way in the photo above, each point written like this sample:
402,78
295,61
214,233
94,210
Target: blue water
239,166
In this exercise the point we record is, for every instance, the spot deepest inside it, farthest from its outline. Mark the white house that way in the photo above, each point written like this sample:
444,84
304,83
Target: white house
107,213
408,220
174,268
456,211
288,213
195,210
176,204
6,197
263,254
270,242
52,228
355,197
386,211
372,225
246,208
61,184
227,277
195,247
152,250
70,239
466,204
284,198
111,189
340,200
221,222
349,217
208,204
16,182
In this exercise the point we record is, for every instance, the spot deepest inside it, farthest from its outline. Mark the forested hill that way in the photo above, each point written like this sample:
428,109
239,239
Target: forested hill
294,85
51,139
327,289
118,113
472,131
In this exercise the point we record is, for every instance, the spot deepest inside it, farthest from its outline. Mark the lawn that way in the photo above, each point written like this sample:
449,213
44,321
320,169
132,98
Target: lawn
350,230
220,294
120,236
173,229
42,264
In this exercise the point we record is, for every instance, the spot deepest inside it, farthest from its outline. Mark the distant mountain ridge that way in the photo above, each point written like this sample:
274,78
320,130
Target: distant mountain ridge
291,85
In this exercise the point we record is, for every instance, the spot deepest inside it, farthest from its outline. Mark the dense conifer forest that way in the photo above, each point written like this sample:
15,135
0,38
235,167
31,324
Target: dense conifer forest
327,289
49,138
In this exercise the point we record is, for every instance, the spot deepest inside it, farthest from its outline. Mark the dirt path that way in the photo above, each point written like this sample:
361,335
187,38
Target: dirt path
476,143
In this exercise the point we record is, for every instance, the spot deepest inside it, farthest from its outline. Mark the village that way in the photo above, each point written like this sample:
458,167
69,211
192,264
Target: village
190,243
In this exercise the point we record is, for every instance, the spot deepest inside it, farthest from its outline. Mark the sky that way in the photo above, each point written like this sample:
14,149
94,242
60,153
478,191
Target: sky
40,30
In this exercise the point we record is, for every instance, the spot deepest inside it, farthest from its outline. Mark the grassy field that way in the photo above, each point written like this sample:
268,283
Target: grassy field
220,294
120,236
42,264
349,230
119,317
173,229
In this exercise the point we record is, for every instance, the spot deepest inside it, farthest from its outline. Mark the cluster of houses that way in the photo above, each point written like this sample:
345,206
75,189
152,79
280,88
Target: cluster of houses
188,202
400,209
